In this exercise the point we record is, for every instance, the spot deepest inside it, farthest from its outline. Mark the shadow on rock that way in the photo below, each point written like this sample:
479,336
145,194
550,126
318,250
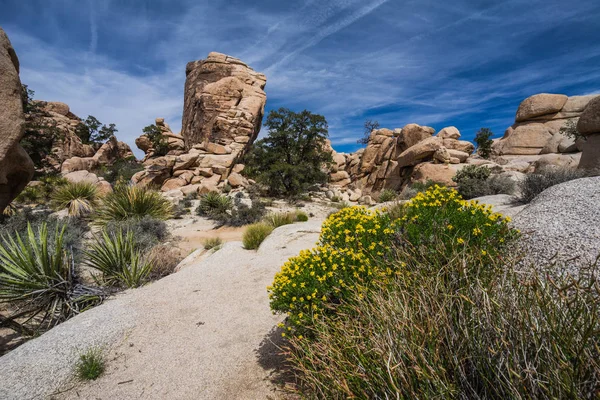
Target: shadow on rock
271,357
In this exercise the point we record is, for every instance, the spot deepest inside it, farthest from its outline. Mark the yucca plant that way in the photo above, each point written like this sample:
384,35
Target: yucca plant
213,203
39,278
116,257
133,202
78,198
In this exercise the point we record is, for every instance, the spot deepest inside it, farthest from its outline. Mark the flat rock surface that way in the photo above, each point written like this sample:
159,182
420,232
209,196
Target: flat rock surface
205,332
563,221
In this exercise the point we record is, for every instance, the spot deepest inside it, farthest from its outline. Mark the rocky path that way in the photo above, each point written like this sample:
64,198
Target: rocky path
202,333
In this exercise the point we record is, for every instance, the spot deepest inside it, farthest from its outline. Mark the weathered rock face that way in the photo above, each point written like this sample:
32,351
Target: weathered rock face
538,123
589,126
224,102
16,167
393,158
222,114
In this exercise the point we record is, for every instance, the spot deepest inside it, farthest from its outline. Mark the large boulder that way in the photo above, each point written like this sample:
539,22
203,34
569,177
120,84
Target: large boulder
589,126
562,223
540,104
16,167
527,139
224,99
439,173
420,152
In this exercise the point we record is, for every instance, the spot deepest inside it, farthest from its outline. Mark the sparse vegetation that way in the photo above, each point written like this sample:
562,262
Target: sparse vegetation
147,231
214,205
90,365
133,202
121,171
476,181
411,190
369,126
213,243
255,234
91,131
387,195
543,178
484,142
79,198
164,259
293,154
279,219
569,129
160,144
301,216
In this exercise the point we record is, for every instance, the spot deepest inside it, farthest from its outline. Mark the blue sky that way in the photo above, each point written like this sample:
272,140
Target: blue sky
465,63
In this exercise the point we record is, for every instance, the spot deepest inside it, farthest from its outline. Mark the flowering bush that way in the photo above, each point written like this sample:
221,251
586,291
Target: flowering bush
440,217
354,243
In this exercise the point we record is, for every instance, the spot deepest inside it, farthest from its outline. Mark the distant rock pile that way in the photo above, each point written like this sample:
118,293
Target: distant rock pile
222,115
393,158
16,167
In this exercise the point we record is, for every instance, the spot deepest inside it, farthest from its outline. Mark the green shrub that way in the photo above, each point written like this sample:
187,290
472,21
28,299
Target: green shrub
90,365
387,195
458,329
352,246
117,258
213,243
133,202
79,198
484,142
214,205
160,143
31,195
147,231
37,275
255,234
121,172
473,181
279,219
411,190
237,213
301,216
543,178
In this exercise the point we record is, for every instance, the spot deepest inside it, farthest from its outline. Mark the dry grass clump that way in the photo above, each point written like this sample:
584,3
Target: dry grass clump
164,259
255,234
213,243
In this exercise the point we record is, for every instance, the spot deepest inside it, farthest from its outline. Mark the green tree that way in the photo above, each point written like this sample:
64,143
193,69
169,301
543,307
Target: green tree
92,131
370,126
293,154
159,142
484,143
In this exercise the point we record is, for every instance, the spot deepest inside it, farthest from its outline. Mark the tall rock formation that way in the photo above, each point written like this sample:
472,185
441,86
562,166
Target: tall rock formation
222,115
224,102
16,167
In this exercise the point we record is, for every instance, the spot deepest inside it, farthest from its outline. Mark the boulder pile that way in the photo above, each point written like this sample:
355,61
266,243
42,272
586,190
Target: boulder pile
222,115
393,158
16,167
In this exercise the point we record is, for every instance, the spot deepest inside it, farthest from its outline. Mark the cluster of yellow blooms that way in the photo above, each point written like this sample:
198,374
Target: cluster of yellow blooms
351,244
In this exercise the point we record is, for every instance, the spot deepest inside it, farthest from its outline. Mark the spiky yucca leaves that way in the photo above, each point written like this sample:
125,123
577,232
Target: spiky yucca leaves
133,202
39,278
119,261
214,204
78,198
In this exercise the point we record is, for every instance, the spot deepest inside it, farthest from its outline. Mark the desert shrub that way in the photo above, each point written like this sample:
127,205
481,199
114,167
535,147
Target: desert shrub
147,231
335,199
79,198
458,328
41,192
543,178
31,195
352,246
301,216
133,202
279,219
237,212
292,156
440,218
164,259
213,243
214,205
569,129
476,181
484,142
117,258
37,274
472,172
387,195
90,365
121,172
255,234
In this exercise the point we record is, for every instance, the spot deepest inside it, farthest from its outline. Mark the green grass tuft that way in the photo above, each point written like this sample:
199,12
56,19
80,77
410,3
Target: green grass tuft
255,234
90,365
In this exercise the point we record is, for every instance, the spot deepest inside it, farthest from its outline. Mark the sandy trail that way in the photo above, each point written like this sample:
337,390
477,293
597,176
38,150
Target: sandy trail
202,333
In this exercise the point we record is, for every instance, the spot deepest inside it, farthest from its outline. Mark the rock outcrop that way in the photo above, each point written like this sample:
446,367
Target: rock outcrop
589,126
393,158
16,167
538,123
222,114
